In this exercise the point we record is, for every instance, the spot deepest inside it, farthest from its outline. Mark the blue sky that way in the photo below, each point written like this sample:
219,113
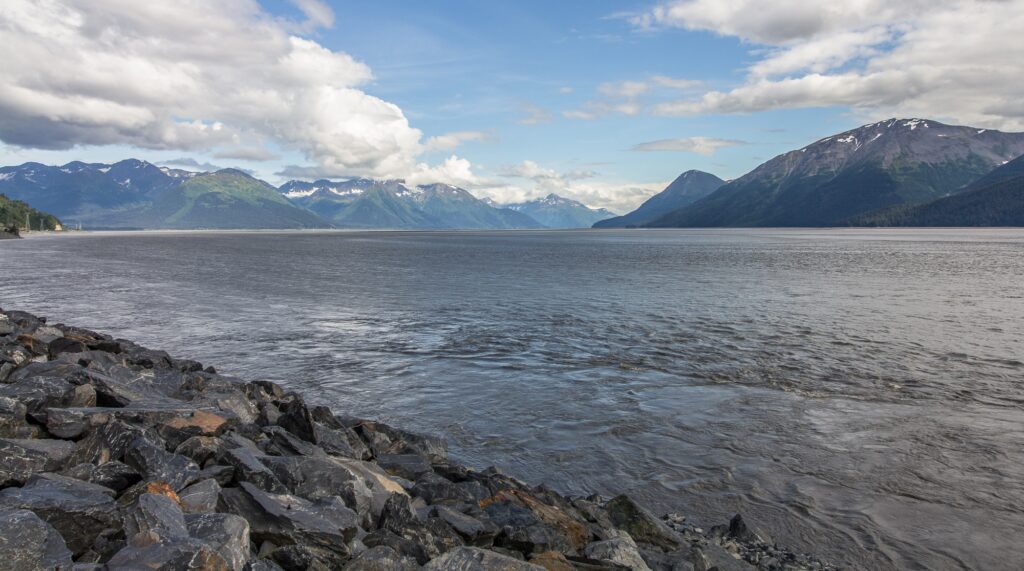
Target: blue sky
604,101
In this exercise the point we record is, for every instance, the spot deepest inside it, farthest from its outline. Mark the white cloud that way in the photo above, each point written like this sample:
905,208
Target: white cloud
246,153
198,75
453,140
454,171
534,115
626,97
528,180
958,60
676,83
623,89
700,145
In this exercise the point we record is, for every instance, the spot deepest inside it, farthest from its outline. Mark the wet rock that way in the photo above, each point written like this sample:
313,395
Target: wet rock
227,534
21,458
200,497
381,485
281,442
622,550
249,467
381,558
384,439
530,526
65,345
157,464
434,536
285,519
475,559
155,513
296,418
641,525
27,542
78,510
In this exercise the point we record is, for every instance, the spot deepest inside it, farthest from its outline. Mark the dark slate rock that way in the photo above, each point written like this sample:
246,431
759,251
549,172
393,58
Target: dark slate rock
297,419
408,466
107,442
406,548
155,513
381,558
223,475
476,532
201,449
320,477
38,393
27,542
306,558
711,557
621,550
434,535
157,464
281,442
227,534
437,490
384,439
151,551
475,559
114,475
285,519
65,345
262,565
12,419
78,510
200,497
20,458
641,525
529,526
249,467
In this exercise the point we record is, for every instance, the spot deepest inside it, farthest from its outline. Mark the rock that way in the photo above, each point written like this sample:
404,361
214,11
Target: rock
320,477
434,536
65,345
710,557
149,551
157,464
12,419
283,443
131,495
475,559
306,558
384,439
114,475
27,542
200,497
643,527
78,510
227,534
437,490
296,418
21,458
621,550
249,467
285,519
739,530
381,558
39,392
155,513
262,565
381,485
201,449
107,442
530,526
408,466
474,531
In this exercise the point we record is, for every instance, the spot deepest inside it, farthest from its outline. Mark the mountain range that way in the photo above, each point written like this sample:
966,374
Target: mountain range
838,178
554,211
138,194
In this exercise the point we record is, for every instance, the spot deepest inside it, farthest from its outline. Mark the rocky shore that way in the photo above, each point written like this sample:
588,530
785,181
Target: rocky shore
115,456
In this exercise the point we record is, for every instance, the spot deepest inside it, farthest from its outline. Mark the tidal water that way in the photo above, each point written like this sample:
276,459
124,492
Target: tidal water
857,393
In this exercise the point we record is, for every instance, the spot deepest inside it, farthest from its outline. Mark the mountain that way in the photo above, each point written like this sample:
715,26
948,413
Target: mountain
689,187
999,203
365,203
138,194
553,211
898,161
14,214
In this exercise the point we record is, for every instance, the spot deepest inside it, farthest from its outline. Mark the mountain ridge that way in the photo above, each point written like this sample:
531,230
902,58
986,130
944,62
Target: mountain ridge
686,189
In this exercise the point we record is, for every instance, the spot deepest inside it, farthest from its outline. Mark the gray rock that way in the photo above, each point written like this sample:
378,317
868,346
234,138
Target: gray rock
12,419
157,464
477,532
285,519
150,551
107,442
249,467
227,534
641,525
78,510
381,558
475,559
200,497
320,477
155,513
21,458
27,542
437,490
283,443
621,550
262,565
201,449
306,557
408,466
711,557
114,475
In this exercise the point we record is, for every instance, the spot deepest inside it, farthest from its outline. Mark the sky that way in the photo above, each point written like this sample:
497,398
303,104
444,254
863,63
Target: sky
598,100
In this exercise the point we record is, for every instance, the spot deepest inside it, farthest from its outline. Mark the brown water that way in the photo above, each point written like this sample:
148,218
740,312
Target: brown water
857,392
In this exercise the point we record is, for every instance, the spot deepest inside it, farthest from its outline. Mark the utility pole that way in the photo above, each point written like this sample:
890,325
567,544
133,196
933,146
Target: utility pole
28,224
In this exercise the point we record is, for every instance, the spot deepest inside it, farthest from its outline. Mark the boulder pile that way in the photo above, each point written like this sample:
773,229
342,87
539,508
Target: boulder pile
115,456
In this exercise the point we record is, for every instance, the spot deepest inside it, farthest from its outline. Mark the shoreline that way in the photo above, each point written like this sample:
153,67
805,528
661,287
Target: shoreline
174,465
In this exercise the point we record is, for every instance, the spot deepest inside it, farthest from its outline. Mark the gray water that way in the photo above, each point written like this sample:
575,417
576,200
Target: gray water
857,393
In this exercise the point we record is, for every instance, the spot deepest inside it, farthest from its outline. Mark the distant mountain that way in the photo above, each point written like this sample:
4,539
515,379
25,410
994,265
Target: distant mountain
554,211
898,161
689,187
365,203
999,203
15,214
138,194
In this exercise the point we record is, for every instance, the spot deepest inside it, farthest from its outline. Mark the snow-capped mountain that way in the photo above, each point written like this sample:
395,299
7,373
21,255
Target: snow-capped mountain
556,211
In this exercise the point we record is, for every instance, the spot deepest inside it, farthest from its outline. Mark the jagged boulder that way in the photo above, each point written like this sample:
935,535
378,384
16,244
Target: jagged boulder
29,543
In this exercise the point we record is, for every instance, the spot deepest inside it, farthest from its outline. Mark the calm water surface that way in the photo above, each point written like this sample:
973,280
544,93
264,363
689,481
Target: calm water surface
861,391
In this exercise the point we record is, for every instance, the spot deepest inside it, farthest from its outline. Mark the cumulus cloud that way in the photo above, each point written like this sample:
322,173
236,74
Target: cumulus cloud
453,140
700,145
959,60
197,75
529,180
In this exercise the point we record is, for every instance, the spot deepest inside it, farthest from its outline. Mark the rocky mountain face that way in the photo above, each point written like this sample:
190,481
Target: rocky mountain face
554,211
365,203
688,188
996,199
892,162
